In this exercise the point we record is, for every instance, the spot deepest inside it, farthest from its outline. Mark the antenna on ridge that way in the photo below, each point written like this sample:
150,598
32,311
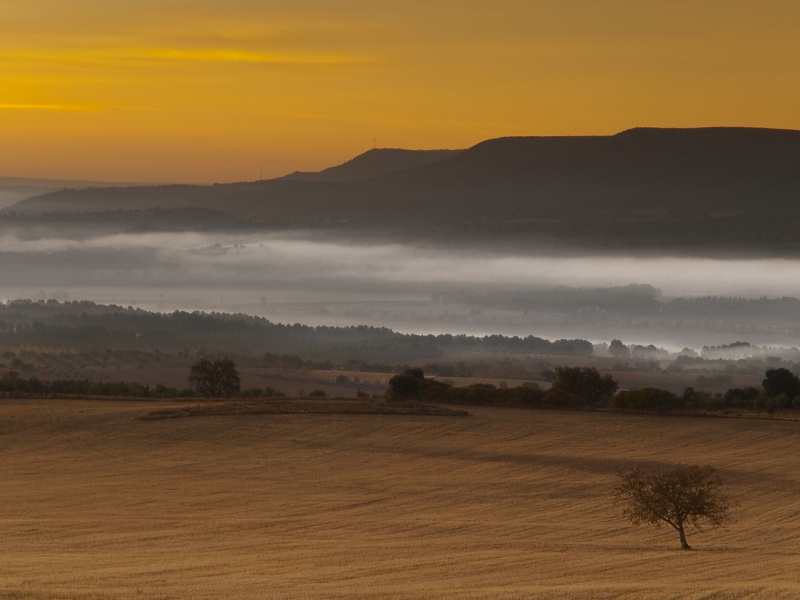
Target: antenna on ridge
374,142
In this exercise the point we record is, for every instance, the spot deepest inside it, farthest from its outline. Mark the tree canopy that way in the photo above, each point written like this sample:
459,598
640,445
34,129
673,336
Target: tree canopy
215,378
678,496
407,385
781,381
586,382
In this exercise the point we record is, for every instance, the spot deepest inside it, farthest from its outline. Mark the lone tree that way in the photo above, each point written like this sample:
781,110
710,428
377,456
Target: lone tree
406,385
586,382
215,379
679,497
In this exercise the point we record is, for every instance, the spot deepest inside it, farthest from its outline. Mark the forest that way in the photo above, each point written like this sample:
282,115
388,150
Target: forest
88,326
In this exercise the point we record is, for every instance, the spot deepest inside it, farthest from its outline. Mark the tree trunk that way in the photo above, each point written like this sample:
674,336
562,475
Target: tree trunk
684,543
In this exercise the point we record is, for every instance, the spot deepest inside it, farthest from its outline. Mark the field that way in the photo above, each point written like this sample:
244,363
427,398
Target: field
505,504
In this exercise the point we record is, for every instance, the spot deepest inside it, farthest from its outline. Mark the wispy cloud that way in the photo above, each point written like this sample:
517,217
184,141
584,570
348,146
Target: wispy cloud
56,107
75,107
222,55
207,55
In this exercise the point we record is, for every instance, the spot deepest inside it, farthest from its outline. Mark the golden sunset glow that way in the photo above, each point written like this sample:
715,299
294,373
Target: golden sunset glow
217,91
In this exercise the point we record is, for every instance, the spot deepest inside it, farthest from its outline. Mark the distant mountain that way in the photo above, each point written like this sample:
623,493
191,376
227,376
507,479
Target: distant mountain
62,183
375,162
641,171
16,189
637,174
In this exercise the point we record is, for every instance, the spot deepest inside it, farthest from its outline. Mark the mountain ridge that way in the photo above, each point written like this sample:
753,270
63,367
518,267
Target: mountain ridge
16,189
679,171
373,163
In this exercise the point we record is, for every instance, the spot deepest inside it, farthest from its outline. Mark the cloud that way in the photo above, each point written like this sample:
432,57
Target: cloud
302,262
56,107
166,54
223,55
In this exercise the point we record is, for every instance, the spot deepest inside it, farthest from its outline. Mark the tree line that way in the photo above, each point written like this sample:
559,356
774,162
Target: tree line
634,299
572,387
86,326
586,387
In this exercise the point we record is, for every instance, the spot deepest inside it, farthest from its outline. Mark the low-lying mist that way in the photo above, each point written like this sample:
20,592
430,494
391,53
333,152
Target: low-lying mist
305,277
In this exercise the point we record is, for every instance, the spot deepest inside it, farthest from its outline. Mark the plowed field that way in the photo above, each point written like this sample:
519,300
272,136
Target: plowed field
503,504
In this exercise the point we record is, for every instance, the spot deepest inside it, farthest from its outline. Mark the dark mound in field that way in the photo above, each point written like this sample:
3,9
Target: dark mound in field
300,407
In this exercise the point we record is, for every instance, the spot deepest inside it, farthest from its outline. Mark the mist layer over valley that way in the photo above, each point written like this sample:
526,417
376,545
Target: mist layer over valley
318,278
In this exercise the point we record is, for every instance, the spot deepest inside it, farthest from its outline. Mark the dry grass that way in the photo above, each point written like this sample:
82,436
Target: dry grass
304,407
507,504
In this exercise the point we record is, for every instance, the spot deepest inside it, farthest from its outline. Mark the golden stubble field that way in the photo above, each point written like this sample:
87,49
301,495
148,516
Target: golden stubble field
503,504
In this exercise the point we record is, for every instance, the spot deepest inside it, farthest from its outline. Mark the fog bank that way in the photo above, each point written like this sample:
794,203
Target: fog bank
299,277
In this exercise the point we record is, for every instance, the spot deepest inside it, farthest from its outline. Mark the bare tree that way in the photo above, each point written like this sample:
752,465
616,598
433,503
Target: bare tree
681,496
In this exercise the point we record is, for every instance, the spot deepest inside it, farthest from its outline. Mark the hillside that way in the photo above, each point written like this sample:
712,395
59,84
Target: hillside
373,163
16,189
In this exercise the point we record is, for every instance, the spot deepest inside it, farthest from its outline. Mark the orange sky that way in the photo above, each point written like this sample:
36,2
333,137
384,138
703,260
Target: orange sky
200,90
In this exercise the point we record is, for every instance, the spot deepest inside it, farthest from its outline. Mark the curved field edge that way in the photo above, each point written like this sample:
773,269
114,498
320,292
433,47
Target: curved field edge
293,407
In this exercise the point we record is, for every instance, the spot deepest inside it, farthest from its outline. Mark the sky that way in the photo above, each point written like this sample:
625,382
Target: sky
216,91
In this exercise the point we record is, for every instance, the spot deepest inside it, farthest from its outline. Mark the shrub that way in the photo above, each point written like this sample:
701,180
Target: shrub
783,401
701,400
741,397
717,402
165,391
646,399
559,398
